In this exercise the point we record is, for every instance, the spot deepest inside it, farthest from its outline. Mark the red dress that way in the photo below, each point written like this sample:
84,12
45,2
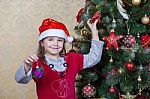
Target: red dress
52,86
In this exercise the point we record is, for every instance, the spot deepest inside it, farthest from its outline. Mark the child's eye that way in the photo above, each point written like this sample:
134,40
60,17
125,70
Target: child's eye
61,40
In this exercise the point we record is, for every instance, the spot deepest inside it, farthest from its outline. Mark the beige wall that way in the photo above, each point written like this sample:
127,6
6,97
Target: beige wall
19,22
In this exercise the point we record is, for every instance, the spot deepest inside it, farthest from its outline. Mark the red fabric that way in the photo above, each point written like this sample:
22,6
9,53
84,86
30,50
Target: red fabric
52,24
53,86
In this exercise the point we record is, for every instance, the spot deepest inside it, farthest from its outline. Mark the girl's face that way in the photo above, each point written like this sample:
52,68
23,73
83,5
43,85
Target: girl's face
53,45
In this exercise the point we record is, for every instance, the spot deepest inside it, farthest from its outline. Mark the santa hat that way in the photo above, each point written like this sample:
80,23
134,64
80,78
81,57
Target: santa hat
51,27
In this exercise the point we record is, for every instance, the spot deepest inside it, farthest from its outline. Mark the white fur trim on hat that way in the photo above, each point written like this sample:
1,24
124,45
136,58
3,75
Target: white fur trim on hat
55,32
70,39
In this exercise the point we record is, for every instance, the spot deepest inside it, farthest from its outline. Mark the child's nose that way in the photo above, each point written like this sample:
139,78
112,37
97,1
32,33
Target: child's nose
56,43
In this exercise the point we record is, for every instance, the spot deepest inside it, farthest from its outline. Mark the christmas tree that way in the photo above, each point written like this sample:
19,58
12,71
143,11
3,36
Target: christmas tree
124,69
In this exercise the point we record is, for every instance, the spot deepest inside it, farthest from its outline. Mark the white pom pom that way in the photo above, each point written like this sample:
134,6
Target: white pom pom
70,39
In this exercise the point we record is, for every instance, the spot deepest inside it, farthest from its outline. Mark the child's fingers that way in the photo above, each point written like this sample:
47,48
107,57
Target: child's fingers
90,24
30,59
35,57
95,22
27,62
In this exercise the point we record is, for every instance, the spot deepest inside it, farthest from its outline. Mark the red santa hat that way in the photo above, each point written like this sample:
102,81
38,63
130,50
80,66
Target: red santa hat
52,27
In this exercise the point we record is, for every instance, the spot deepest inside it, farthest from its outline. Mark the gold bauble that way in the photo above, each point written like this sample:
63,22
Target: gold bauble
136,2
145,20
111,60
139,78
120,70
84,32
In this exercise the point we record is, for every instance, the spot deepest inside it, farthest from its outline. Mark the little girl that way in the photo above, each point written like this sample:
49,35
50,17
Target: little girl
53,71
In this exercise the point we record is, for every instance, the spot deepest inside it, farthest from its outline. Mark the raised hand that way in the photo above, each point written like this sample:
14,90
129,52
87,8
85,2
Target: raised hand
93,29
92,26
29,61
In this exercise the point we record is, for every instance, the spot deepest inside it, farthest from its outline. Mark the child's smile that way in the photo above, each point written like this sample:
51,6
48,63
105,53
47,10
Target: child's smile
53,45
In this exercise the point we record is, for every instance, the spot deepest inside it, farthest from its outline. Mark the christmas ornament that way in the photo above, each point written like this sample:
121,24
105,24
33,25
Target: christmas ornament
84,32
140,90
121,9
38,72
139,78
128,41
79,15
145,19
111,60
114,23
138,35
145,39
129,44
89,91
136,2
112,90
141,68
120,70
112,40
130,66
97,15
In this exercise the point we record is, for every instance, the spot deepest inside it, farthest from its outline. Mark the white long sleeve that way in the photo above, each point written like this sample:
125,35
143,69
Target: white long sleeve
94,56
21,76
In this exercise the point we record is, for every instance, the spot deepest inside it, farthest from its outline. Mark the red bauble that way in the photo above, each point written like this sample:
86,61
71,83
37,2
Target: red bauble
89,91
128,41
130,66
97,16
112,89
145,39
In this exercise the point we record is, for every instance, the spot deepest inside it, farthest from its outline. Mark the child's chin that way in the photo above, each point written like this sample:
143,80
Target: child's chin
55,52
